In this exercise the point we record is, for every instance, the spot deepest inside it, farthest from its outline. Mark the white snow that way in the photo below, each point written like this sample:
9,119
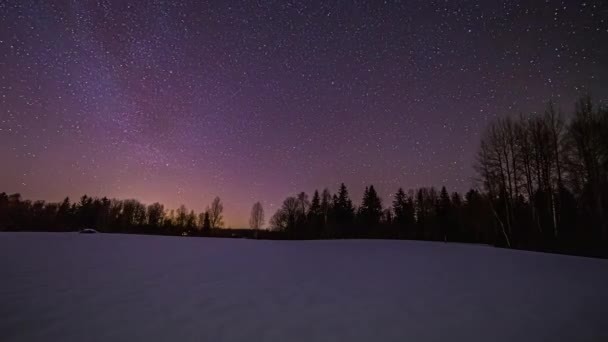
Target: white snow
100,287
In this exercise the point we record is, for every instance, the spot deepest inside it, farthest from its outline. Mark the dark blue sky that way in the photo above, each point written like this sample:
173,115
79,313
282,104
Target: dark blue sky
178,102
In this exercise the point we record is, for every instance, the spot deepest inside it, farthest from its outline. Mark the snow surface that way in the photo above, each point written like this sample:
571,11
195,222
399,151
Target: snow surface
100,287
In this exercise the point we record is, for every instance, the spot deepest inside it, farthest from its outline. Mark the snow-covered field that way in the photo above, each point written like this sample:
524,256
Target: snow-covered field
76,287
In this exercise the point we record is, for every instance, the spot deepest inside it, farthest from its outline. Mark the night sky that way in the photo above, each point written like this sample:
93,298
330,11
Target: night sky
178,102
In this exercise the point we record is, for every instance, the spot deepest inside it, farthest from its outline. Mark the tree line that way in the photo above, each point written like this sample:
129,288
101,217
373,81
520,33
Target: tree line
542,184
106,215
425,214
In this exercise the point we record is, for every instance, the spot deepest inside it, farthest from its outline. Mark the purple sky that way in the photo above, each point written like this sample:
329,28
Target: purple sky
180,102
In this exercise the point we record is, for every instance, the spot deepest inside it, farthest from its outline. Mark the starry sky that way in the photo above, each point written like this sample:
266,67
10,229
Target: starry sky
182,101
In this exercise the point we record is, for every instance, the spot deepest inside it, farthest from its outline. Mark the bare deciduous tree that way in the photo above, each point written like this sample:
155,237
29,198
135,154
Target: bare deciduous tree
325,205
286,217
182,216
215,213
303,203
256,221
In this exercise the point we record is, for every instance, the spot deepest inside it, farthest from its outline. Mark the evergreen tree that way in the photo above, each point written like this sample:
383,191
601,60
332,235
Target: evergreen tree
444,213
315,216
343,210
64,214
404,212
206,223
399,204
315,205
85,212
371,209
456,217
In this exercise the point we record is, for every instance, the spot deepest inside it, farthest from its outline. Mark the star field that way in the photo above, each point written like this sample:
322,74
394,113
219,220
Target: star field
178,102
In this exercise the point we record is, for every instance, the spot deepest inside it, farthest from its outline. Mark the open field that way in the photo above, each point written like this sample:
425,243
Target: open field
103,287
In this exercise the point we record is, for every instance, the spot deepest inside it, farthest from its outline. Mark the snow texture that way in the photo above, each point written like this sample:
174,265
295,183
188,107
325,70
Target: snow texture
100,287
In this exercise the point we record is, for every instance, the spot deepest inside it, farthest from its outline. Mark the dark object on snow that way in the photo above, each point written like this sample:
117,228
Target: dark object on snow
88,231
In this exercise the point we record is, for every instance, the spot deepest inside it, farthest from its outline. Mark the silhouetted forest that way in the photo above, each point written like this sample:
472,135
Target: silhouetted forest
542,185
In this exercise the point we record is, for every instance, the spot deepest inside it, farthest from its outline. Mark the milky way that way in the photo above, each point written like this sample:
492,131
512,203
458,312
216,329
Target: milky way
178,102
